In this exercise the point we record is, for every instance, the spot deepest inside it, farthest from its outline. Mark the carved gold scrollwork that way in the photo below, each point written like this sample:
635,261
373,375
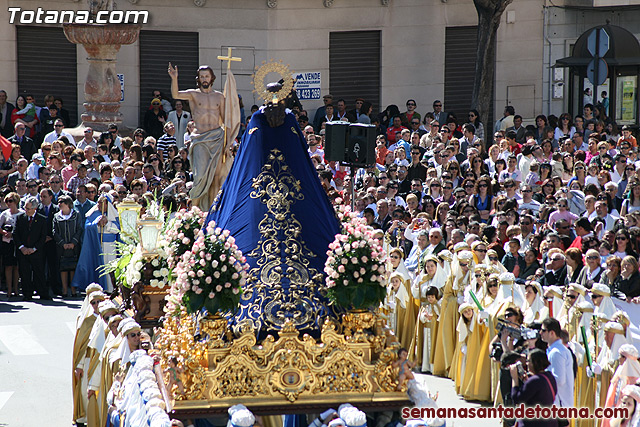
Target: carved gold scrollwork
282,370
280,288
175,339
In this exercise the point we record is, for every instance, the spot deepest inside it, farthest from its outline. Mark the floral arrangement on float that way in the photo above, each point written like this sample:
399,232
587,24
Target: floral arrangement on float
355,267
343,212
158,271
209,275
143,249
182,232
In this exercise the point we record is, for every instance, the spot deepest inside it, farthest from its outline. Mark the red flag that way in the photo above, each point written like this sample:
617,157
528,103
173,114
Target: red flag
5,144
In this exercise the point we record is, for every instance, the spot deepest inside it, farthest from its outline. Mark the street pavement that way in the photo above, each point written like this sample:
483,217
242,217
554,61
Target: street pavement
36,341
447,398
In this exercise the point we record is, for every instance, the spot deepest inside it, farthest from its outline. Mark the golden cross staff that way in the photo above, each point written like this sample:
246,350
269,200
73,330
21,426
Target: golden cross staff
227,58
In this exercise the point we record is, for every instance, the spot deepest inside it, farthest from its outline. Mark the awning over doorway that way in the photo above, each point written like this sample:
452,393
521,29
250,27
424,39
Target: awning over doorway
624,49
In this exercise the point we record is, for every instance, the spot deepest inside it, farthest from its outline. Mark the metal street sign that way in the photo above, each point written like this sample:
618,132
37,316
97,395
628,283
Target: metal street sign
597,71
603,43
598,46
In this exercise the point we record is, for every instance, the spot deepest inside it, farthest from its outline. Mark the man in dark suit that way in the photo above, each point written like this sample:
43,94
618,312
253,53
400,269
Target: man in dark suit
439,115
27,146
354,115
557,271
52,263
435,241
55,183
518,129
6,108
29,236
23,164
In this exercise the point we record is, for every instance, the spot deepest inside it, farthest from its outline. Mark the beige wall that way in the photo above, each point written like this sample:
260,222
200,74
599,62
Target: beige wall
297,32
519,67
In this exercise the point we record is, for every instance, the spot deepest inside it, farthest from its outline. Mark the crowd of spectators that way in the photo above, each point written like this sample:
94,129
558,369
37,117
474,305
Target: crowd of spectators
555,202
50,182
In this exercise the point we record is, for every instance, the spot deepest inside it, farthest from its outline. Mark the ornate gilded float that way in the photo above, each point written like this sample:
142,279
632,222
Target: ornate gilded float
285,375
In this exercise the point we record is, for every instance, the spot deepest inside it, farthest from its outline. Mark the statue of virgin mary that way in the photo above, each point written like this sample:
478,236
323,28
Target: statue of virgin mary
274,205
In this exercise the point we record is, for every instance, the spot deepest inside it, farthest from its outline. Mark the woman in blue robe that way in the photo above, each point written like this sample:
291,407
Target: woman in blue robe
98,245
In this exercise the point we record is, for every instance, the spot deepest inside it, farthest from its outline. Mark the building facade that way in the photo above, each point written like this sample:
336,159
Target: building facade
387,50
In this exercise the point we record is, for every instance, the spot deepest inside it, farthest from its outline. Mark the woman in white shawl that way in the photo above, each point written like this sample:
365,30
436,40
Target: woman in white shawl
86,308
603,305
627,373
453,296
465,328
477,285
534,308
554,297
601,297
630,400
429,312
406,316
446,258
509,293
575,295
493,262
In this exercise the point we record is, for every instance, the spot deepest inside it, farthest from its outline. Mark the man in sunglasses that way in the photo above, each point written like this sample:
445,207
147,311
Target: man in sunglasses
602,212
469,138
527,202
556,270
58,131
154,119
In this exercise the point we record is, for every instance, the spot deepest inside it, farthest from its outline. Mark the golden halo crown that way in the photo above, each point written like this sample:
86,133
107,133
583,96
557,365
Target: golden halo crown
260,89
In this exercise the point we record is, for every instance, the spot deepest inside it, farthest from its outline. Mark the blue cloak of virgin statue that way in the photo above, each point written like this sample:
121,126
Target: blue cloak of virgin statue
272,202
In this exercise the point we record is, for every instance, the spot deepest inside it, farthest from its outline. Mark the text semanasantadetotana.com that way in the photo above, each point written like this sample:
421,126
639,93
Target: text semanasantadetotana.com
521,411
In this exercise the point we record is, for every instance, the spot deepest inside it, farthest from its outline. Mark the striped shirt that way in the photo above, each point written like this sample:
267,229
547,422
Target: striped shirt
163,144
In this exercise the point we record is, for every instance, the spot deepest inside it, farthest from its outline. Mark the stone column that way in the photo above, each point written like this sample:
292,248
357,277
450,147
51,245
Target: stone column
101,87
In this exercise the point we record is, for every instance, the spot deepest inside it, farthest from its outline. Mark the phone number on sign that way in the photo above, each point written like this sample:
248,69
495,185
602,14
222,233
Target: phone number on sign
308,93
